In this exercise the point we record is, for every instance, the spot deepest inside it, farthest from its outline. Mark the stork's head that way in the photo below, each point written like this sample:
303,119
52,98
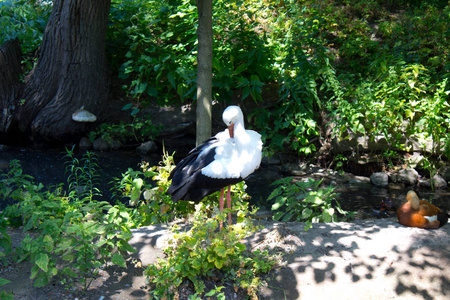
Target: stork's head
231,115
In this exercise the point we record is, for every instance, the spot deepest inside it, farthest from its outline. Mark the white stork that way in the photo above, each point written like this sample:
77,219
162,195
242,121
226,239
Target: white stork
224,159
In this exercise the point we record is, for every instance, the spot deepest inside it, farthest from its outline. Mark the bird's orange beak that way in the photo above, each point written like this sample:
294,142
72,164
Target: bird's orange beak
231,130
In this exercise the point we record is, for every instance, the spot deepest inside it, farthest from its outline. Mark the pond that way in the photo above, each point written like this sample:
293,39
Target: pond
47,166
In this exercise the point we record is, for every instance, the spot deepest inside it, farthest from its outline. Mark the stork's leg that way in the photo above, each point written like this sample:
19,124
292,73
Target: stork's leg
221,202
229,204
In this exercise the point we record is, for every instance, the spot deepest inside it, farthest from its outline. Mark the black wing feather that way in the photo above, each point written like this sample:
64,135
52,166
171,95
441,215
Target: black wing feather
188,182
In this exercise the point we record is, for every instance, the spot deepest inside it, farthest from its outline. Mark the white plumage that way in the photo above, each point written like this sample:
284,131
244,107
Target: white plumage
225,159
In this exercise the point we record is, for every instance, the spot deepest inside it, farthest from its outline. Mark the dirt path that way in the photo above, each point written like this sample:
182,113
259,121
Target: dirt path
367,259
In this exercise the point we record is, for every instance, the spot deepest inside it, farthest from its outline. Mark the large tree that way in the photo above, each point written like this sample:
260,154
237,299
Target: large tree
71,71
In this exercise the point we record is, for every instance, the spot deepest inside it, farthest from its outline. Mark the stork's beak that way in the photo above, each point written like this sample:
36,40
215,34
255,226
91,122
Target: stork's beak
231,130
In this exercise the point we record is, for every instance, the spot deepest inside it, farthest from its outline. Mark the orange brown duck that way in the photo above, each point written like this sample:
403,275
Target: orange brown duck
420,213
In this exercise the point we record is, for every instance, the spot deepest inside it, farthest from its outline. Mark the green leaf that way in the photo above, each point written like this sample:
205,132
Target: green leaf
221,251
277,216
117,259
245,92
218,264
306,213
68,257
41,280
69,272
240,69
124,246
42,261
127,106
274,193
279,202
241,247
4,281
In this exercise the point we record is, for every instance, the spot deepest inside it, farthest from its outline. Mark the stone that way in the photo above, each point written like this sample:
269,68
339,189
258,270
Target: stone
85,143
147,147
407,176
103,145
379,179
445,172
414,160
438,182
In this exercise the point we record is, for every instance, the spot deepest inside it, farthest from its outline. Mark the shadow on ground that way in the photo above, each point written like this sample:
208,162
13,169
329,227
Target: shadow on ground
368,259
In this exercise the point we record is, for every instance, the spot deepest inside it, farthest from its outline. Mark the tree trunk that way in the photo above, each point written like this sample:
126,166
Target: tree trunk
10,85
204,70
71,72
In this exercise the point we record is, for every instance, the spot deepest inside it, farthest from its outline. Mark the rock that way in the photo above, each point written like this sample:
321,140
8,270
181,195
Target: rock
85,143
100,144
147,147
445,172
3,147
419,144
438,182
359,180
407,176
379,179
104,145
414,160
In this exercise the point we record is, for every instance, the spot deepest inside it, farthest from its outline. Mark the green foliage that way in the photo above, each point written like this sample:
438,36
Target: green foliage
160,63
138,130
75,235
406,102
5,249
204,251
305,201
152,203
26,21
5,244
307,76
333,56
160,59
82,175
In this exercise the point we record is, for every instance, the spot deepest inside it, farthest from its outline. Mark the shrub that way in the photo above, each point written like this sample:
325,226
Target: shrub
305,201
75,234
203,252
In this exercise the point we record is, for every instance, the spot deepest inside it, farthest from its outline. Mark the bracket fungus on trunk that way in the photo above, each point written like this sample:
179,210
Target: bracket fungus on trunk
83,115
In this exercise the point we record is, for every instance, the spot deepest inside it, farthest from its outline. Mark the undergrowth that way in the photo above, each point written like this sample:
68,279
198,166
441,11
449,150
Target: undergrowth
205,252
306,201
69,236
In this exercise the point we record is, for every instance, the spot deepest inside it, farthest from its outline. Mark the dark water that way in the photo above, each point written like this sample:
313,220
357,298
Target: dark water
48,167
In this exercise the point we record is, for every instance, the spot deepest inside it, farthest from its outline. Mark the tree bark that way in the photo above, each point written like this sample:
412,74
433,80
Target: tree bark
204,70
10,85
71,72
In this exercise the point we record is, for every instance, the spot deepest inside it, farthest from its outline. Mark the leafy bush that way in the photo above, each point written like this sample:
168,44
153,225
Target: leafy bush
76,235
5,249
152,203
305,201
161,59
406,102
308,80
203,251
25,20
